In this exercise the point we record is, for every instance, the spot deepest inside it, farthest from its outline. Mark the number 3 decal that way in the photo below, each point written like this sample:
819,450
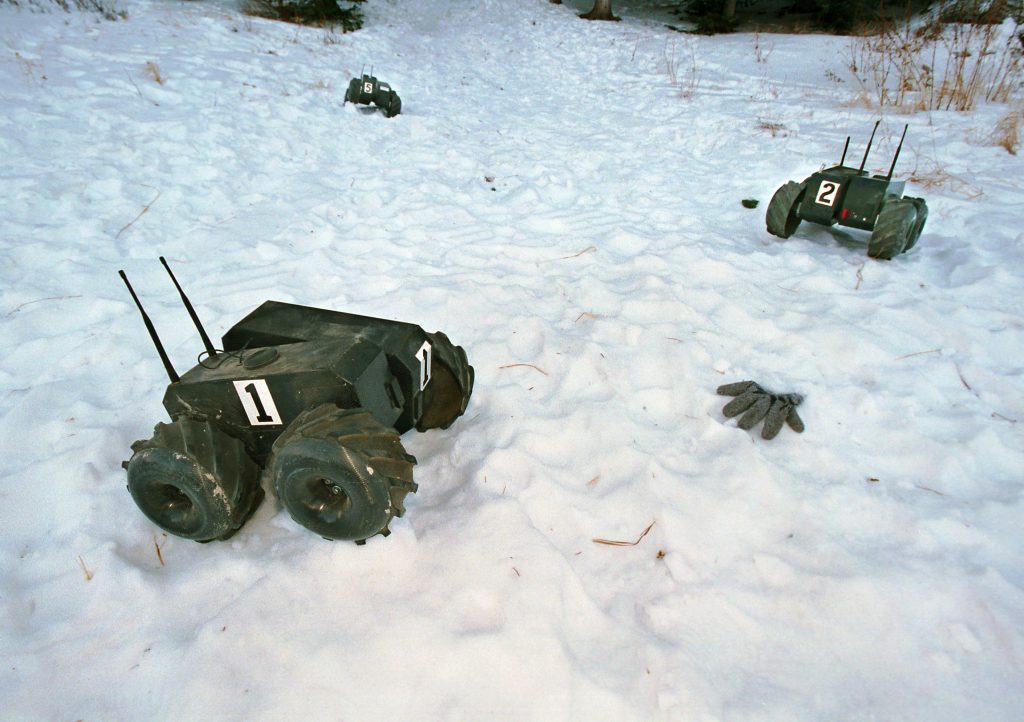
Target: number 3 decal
827,193
258,403
424,355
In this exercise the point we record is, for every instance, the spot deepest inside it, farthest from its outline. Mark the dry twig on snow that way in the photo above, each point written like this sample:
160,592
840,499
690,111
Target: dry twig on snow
616,543
537,368
85,570
141,213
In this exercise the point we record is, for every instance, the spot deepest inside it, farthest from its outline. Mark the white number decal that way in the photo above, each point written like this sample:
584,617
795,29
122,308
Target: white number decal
424,356
827,193
367,87
258,403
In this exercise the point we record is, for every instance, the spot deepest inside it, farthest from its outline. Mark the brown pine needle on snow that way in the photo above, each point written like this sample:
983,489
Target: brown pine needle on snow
536,368
588,249
918,353
85,570
156,545
616,543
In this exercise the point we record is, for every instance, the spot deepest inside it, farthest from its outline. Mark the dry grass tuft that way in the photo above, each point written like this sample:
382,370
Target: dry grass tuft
153,71
936,177
772,128
1007,131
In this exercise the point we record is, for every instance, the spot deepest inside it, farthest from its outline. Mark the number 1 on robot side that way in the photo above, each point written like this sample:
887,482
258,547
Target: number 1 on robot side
257,402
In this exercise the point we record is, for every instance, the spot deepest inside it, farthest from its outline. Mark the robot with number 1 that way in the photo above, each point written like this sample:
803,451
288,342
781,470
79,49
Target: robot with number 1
317,400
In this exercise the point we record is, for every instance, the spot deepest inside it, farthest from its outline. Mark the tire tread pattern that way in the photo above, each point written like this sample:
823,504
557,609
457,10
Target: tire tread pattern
781,218
358,434
892,229
227,478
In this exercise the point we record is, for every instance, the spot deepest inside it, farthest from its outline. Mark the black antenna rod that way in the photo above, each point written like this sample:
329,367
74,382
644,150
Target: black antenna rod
845,148
191,312
152,333
868,149
898,149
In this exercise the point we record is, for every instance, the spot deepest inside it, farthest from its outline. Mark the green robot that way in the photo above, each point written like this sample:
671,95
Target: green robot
313,399
368,90
850,197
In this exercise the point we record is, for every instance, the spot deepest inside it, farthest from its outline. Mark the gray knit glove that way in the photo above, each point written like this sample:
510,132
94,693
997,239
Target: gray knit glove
757,404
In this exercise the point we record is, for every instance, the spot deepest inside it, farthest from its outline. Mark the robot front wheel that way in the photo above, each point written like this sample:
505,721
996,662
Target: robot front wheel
193,480
341,473
783,216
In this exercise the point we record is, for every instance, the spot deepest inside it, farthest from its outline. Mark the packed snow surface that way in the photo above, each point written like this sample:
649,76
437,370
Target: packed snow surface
562,198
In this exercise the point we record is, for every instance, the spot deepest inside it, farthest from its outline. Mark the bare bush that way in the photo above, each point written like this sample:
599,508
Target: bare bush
938,65
682,71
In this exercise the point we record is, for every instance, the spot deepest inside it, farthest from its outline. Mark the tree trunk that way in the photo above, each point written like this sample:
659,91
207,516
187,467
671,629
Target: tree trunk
730,8
602,10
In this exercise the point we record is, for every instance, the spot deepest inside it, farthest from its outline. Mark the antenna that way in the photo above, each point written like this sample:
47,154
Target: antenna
868,149
152,333
191,312
898,149
845,148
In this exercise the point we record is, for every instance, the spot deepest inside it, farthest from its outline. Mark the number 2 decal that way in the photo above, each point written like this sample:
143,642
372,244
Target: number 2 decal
257,402
424,355
827,193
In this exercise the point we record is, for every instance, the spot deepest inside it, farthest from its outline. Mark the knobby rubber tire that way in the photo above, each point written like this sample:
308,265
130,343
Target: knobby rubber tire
353,91
451,384
922,217
393,106
782,216
341,473
892,229
193,480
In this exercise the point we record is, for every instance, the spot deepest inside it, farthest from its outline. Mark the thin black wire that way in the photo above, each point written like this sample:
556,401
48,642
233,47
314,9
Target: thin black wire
221,357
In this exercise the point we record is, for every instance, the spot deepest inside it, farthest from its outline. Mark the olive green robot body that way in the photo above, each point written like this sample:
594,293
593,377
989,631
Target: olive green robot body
270,371
367,89
315,400
847,196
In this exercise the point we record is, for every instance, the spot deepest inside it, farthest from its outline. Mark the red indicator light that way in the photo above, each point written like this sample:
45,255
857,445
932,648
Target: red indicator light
844,213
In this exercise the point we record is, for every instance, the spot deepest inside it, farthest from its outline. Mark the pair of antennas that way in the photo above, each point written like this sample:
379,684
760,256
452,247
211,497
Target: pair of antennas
868,150
171,373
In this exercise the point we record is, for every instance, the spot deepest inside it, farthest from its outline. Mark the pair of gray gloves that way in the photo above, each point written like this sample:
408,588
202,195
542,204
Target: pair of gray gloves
757,404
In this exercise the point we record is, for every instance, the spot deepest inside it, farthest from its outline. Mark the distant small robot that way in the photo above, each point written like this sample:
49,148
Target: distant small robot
313,399
850,197
368,90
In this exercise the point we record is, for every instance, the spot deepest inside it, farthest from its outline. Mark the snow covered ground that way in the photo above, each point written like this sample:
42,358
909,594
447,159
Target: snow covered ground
563,199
